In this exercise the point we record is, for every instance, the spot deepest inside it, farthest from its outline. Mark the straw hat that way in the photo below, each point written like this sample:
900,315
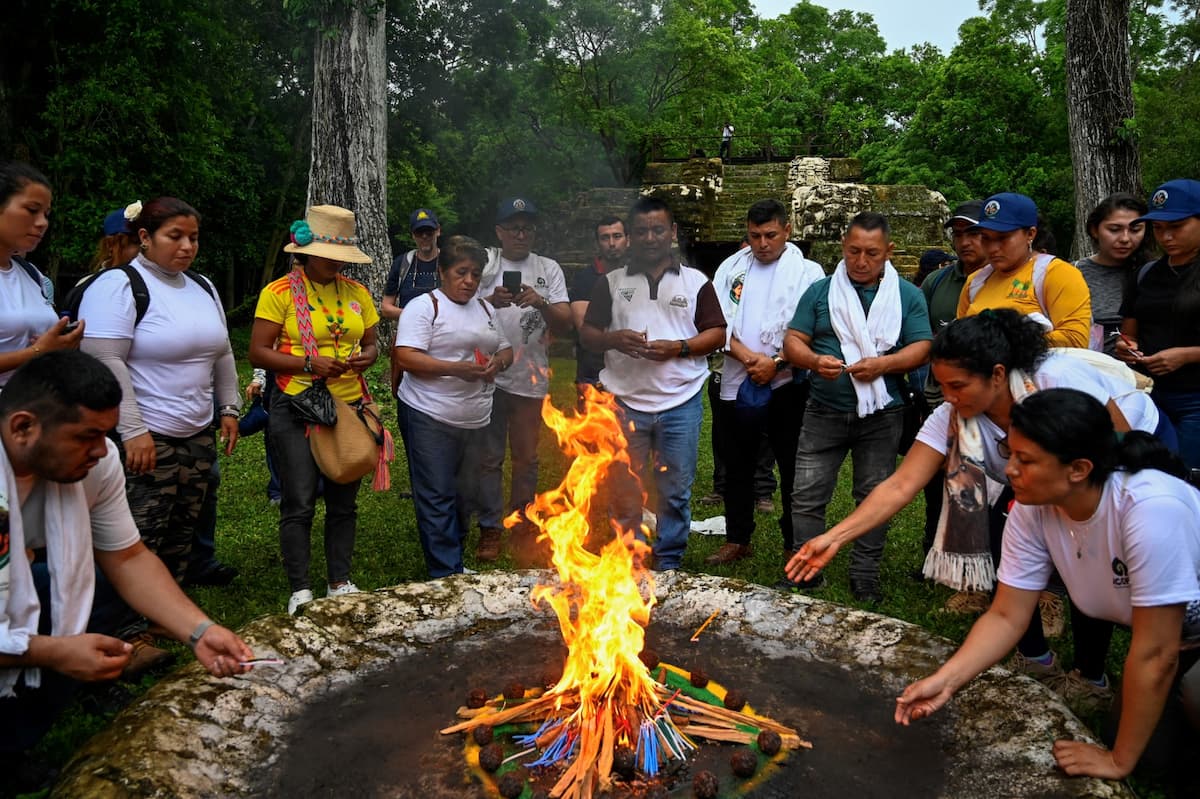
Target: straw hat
327,231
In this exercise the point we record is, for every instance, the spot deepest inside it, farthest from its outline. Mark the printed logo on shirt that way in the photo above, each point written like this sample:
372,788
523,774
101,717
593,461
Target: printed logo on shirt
627,293
679,301
1019,290
356,307
541,281
735,291
1120,574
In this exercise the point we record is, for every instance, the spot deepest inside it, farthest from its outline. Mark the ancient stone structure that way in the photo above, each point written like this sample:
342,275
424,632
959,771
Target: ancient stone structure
194,735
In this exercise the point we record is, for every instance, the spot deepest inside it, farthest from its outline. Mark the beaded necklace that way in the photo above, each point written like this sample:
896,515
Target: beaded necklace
336,319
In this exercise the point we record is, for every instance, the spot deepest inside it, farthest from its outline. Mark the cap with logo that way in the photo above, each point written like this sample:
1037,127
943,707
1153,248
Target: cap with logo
969,211
1174,200
1007,211
423,219
509,208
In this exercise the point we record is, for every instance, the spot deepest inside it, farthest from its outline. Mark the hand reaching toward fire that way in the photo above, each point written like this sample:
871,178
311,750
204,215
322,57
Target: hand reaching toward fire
923,698
812,557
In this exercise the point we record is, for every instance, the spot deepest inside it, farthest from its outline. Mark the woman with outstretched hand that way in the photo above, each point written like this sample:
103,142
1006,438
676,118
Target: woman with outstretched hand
1124,534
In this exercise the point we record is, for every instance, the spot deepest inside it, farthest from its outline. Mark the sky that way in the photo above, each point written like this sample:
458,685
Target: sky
902,23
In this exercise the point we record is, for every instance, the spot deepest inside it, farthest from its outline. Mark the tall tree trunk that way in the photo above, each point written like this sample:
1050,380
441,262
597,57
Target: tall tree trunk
1099,103
349,131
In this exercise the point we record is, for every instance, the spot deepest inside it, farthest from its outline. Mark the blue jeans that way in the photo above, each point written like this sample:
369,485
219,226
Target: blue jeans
825,438
671,437
1183,409
516,423
435,455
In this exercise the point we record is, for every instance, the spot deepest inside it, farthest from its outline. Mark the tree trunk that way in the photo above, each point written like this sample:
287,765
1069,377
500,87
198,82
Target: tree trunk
1099,105
349,132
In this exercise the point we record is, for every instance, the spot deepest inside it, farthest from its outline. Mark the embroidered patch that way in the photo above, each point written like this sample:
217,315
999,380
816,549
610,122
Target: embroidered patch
541,281
991,209
1159,199
1120,574
518,205
356,307
735,291
1020,290
627,293
679,301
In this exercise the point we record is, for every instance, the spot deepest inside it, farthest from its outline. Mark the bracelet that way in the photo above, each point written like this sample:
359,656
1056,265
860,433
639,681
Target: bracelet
229,410
199,632
308,364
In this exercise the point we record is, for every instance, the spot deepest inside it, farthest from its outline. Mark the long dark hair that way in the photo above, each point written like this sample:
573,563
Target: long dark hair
1121,201
1070,425
14,177
995,336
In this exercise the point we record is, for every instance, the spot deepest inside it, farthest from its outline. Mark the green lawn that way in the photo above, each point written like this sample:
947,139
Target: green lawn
388,552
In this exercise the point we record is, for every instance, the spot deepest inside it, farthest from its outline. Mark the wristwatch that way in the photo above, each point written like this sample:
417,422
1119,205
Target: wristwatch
684,350
780,362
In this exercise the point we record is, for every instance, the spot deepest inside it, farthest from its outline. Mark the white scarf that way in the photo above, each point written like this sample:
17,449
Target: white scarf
793,274
72,571
866,335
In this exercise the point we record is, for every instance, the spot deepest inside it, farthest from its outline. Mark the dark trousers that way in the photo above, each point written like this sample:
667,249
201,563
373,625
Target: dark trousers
298,500
764,472
780,424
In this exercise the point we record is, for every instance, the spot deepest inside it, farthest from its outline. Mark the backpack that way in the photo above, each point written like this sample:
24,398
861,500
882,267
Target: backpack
37,277
137,285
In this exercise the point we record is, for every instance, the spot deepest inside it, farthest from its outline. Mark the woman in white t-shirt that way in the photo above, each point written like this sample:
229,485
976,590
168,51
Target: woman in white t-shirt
170,363
1125,536
28,324
451,349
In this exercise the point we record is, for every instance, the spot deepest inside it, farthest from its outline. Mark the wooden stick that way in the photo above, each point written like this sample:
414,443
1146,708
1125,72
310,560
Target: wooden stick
708,621
502,716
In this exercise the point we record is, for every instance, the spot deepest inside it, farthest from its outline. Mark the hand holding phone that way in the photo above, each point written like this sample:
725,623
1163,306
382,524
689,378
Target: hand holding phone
511,280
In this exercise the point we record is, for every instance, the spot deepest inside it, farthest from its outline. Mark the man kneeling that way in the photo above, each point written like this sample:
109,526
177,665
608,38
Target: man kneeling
63,513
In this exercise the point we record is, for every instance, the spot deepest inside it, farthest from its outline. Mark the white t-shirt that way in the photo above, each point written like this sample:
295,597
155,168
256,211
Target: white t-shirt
174,349
455,335
754,301
525,328
112,528
25,313
1141,548
1056,371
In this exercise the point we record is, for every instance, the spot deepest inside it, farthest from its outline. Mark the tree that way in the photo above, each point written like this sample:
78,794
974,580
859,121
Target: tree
1100,108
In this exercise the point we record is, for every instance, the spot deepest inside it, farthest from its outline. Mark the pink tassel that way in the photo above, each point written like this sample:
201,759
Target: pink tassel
387,453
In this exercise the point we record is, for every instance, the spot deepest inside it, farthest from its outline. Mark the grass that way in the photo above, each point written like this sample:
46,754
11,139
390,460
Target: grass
387,552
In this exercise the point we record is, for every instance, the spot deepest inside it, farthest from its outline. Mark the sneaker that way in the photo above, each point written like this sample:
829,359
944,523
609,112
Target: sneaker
301,597
144,657
488,548
867,590
796,586
764,505
1051,607
1021,664
1082,695
968,602
341,589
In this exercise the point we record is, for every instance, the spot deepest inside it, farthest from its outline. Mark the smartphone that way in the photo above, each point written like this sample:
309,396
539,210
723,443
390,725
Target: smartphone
70,327
512,281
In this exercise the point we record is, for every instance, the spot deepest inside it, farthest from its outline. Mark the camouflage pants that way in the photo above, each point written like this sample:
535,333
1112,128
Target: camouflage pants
166,502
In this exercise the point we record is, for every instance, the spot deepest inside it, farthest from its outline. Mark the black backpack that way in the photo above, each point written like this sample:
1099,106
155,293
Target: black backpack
137,285
37,277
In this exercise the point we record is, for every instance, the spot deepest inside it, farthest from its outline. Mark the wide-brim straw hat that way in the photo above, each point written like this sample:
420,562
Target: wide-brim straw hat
327,231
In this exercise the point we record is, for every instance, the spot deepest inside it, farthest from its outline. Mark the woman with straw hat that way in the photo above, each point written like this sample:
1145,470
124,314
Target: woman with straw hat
337,317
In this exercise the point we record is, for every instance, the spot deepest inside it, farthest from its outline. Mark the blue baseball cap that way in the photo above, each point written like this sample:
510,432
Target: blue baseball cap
422,219
1007,211
509,208
1173,200
116,223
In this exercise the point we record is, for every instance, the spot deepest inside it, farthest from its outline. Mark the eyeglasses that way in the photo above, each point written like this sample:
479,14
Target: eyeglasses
519,230
1003,448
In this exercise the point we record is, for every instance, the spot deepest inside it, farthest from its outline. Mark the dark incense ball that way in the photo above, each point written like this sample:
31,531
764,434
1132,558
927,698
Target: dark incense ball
706,785
491,757
769,742
744,763
482,734
511,785
476,698
648,657
735,699
514,690
699,678
550,677
624,761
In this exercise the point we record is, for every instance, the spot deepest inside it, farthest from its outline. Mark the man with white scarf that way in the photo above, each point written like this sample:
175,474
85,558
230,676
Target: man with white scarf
859,332
758,287
63,513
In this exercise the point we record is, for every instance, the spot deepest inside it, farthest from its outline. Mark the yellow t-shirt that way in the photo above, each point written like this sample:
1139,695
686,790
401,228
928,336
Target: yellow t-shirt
1068,303
343,303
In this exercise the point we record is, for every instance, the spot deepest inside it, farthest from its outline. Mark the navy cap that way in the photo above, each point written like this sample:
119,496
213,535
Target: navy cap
1008,211
509,208
116,223
932,259
422,219
970,211
1173,200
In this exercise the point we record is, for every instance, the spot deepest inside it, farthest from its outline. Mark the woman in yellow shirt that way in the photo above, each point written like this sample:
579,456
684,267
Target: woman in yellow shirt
1048,289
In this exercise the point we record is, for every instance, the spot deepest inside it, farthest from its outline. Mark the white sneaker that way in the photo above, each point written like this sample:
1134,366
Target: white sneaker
302,597
343,589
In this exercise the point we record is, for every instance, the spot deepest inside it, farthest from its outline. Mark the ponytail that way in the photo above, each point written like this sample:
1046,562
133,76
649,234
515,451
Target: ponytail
995,336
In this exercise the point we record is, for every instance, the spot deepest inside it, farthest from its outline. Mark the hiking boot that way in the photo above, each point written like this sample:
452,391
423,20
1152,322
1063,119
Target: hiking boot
969,602
712,498
764,505
728,553
1021,664
144,657
488,548
1079,693
866,590
1051,607
527,551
